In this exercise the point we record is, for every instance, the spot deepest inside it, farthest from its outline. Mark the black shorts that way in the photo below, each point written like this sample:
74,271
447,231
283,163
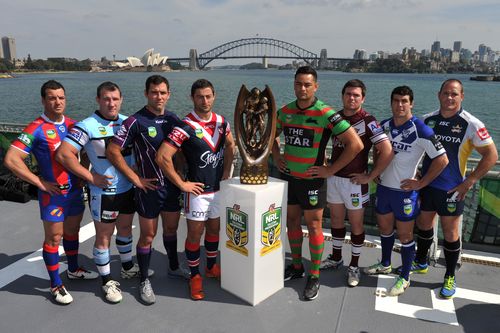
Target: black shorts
166,198
308,193
106,208
435,200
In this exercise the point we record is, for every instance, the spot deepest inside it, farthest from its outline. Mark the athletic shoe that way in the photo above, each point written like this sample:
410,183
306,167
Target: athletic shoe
196,287
61,295
449,287
82,274
330,263
112,292
399,287
353,276
179,273
311,291
293,273
416,268
134,272
214,272
377,268
146,292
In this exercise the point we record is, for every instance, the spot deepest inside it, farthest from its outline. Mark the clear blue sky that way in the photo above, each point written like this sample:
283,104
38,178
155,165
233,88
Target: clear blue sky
92,28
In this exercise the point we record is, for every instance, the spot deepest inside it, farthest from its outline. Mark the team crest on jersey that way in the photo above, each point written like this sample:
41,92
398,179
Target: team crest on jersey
51,134
408,209
456,129
288,118
62,129
237,230
199,133
271,230
431,123
313,197
152,131
102,130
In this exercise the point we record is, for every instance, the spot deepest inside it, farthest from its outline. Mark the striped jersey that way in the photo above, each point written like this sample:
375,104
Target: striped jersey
459,135
307,132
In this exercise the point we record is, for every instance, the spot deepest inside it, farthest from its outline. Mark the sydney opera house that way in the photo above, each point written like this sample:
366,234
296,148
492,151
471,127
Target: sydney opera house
149,61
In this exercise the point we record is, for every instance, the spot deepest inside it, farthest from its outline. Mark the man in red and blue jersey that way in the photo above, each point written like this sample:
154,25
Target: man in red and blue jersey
60,195
208,146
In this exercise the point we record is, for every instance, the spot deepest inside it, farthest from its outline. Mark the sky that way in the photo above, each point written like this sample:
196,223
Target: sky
96,28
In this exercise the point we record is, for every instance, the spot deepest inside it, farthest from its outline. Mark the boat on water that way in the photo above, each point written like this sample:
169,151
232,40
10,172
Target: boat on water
485,78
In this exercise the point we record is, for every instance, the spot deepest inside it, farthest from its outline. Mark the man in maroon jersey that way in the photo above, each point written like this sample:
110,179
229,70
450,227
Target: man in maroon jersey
348,188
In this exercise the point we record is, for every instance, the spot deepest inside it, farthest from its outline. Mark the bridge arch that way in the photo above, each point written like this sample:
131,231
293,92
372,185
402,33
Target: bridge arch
205,58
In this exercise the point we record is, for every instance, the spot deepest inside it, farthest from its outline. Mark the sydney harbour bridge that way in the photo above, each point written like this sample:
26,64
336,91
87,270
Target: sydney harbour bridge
259,48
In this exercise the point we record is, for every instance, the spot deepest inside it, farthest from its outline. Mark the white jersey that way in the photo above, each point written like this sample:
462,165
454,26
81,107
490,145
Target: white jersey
409,141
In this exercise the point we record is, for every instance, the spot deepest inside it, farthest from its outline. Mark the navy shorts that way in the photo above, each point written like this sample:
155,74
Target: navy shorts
56,208
106,208
166,198
308,193
403,204
436,200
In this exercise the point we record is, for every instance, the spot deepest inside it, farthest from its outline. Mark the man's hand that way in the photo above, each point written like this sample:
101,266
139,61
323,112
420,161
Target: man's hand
318,172
462,189
52,188
411,184
360,178
191,187
101,181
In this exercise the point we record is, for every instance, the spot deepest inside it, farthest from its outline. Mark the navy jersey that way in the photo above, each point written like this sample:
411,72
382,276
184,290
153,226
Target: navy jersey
202,143
459,135
93,135
409,141
146,132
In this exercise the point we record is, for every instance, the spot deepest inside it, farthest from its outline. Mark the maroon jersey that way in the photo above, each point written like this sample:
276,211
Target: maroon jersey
369,131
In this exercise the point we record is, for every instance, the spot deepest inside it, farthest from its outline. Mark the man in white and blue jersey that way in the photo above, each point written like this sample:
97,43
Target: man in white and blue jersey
208,146
460,133
155,195
397,190
111,196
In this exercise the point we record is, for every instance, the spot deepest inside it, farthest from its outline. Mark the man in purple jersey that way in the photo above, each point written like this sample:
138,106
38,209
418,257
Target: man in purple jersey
155,194
348,188
59,194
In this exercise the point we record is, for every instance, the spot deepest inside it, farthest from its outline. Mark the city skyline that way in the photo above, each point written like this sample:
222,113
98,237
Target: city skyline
126,28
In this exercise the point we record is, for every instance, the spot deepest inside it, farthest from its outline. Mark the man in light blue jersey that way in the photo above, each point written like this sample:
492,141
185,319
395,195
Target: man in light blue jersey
111,195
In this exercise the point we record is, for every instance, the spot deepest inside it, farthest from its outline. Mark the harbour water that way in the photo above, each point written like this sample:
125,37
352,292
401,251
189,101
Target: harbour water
20,97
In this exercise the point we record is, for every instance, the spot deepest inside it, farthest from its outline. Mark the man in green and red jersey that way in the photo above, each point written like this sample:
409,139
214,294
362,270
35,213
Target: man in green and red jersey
307,124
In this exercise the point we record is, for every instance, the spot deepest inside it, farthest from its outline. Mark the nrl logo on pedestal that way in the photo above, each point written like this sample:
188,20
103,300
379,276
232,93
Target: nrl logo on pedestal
255,128
237,229
271,230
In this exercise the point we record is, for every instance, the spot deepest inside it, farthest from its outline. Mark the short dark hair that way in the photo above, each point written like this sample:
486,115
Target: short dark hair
307,70
452,80
156,79
201,84
403,91
51,85
107,86
355,83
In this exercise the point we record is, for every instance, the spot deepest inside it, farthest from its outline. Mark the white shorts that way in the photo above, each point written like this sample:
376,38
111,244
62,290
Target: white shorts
201,207
340,190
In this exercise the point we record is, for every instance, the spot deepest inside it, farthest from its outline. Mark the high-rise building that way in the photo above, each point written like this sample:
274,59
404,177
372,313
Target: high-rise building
9,48
436,47
1,51
457,46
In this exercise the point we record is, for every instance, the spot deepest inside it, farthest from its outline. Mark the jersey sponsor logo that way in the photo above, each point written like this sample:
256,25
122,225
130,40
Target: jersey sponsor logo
159,121
447,138
437,144
374,127
51,134
102,130
299,137
152,131
177,136
198,214
109,215
483,133
400,146
313,197
209,158
456,129
444,123
75,134
26,139
199,133
335,118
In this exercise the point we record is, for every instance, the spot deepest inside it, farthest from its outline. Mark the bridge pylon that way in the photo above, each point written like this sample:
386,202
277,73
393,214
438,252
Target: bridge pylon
193,60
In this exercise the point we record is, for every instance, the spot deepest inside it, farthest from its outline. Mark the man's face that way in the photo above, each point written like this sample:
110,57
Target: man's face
451,97
353,99
157,95
401,107
203,100
54,102
305,87
110,102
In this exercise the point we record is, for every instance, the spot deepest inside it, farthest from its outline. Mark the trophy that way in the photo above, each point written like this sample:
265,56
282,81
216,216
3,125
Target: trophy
255,128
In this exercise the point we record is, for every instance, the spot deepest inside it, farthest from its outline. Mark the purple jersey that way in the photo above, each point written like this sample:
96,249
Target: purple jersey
146,132
202,143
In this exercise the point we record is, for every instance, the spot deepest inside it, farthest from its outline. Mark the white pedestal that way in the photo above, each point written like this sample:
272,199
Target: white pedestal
252,235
